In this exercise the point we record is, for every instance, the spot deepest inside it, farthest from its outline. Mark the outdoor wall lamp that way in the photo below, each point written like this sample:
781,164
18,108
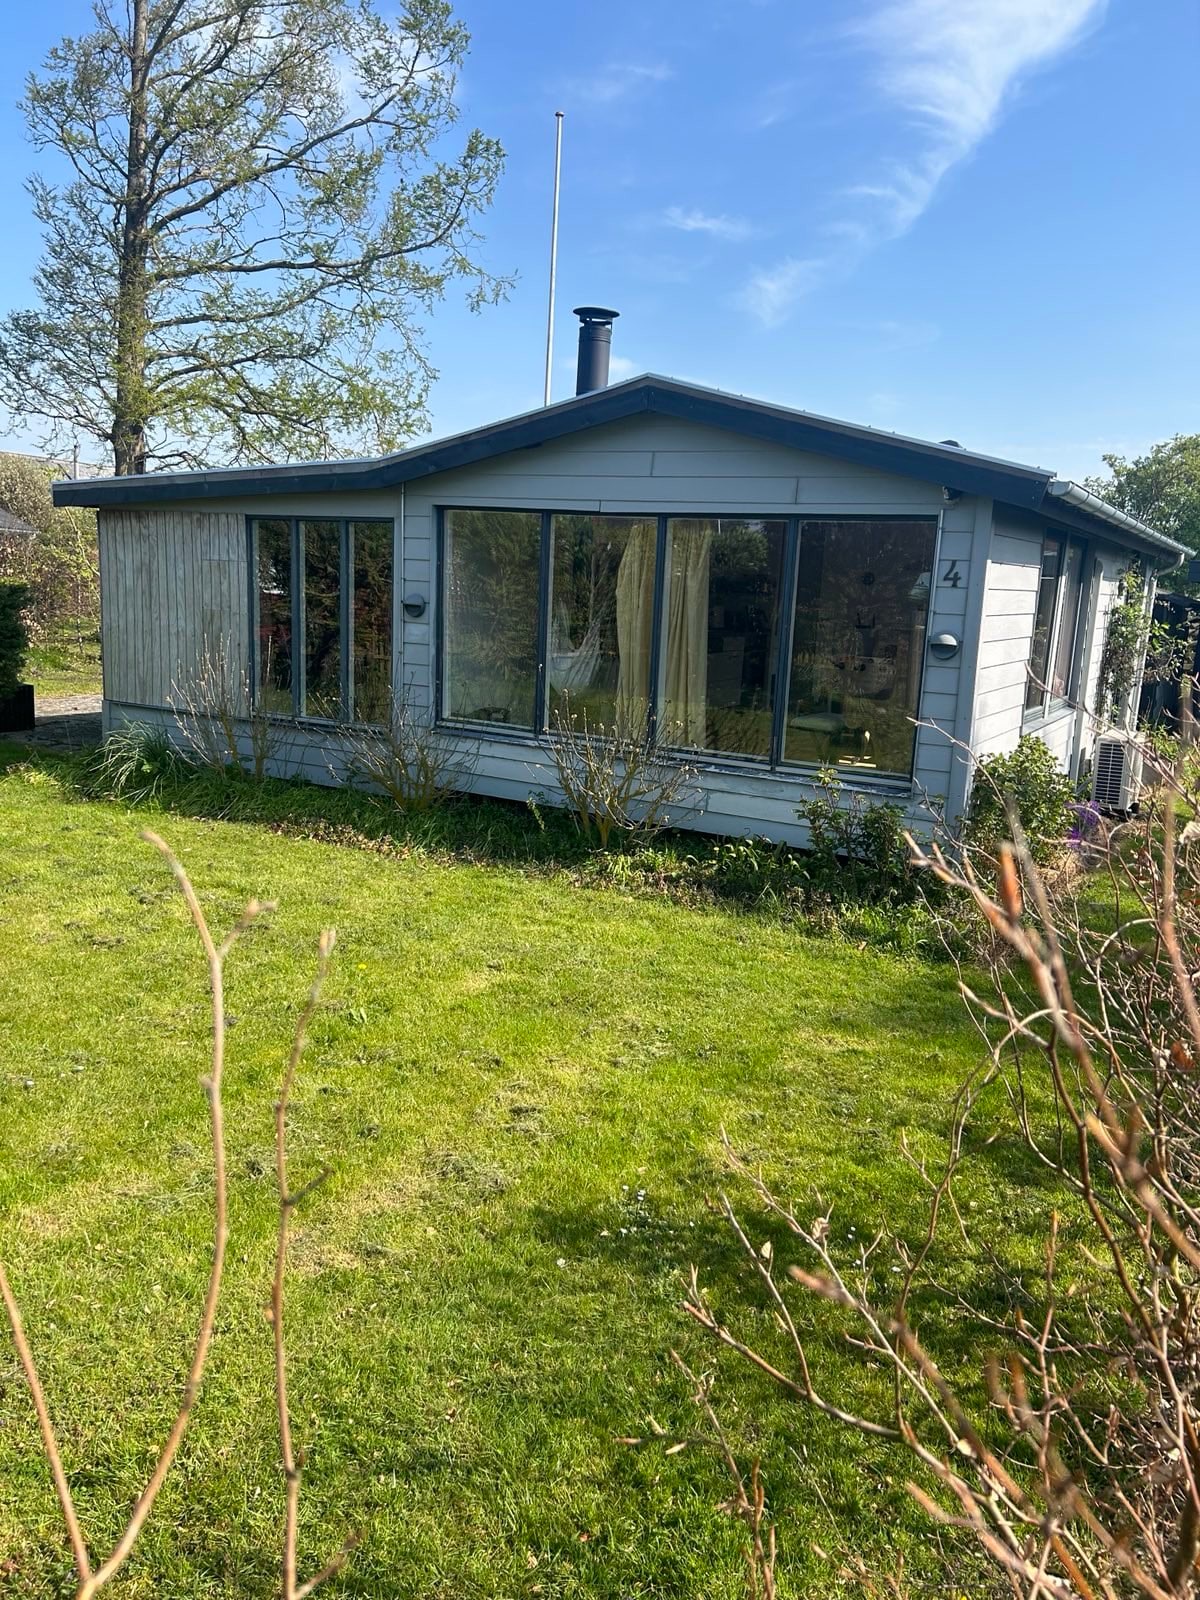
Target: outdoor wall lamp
944,646
414,605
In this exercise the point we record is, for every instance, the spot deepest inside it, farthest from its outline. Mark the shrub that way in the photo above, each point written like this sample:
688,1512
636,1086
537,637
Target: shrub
1030,781
135,763
618,780
410,760
217,719
14,636
857,853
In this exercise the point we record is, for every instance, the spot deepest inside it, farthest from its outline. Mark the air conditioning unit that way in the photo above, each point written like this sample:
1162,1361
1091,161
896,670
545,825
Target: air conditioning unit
1116,772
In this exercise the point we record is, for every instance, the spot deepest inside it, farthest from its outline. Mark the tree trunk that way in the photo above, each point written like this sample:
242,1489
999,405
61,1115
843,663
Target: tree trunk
130,409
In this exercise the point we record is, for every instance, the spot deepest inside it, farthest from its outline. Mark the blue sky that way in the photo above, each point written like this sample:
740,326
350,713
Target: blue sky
976,219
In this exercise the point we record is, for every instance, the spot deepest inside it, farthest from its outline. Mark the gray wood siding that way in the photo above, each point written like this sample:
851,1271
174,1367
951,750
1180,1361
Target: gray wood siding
1014,564
174,584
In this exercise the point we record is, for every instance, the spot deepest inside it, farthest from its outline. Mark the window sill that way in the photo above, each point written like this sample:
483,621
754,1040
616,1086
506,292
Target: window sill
1046,716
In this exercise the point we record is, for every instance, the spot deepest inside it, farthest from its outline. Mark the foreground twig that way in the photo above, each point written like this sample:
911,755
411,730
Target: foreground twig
90,1581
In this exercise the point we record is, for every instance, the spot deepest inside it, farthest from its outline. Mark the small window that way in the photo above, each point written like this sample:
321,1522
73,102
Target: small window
862,599
601,620
492,562
1043,623
321,543
273,634
1063,672
1053,652
323,617
722,629
372,670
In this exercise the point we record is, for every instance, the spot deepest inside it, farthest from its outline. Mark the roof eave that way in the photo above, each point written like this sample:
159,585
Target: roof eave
931,463
1061,492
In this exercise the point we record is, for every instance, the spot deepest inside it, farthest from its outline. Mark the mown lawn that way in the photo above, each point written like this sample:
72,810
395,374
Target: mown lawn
64,666
519,1085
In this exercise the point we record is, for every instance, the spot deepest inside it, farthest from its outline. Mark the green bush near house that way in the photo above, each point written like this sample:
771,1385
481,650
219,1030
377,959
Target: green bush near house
1030,781
14,636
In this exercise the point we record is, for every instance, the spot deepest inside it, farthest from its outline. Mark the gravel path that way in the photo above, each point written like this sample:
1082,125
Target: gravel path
64,722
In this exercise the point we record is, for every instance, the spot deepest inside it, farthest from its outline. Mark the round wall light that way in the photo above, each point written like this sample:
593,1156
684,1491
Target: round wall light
414,605
945,645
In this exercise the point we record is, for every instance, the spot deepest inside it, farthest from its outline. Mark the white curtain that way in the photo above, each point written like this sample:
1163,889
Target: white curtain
635,622
687,632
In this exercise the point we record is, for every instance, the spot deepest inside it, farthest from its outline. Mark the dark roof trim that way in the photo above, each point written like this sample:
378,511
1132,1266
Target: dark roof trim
800,430
954,468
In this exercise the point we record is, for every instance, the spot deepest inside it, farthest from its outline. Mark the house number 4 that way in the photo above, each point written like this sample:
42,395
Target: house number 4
952,576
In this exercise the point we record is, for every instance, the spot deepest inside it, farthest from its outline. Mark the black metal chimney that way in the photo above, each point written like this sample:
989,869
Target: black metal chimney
595,343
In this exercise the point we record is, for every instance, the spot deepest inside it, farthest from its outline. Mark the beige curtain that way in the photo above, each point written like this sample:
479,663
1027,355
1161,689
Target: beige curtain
635,622
687,632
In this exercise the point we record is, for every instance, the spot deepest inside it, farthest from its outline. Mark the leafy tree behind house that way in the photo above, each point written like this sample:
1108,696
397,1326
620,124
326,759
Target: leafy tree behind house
264,200
1161,488
54,554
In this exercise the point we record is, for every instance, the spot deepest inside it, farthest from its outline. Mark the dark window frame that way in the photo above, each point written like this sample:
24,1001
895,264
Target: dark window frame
345,612
1050,704
775,764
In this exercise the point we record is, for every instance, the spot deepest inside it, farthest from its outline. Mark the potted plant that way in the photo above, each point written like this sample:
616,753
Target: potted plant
16,698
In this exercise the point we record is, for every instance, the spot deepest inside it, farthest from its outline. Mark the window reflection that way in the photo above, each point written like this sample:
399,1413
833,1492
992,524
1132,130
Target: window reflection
862,598
371,547
601,620
491,600
322,546
273,644
722,630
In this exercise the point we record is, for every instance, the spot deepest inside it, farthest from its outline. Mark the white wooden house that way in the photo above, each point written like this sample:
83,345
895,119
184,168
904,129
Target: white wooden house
772,591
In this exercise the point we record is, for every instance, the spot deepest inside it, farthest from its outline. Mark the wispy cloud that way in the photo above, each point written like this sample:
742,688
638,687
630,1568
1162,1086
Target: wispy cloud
718,227
772,291
617,81
947,68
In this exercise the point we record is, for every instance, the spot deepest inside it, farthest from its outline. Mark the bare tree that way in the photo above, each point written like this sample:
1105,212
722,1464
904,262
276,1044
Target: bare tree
257,197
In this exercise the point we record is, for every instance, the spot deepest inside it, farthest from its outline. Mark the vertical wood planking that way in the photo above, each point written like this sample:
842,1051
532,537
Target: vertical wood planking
173,582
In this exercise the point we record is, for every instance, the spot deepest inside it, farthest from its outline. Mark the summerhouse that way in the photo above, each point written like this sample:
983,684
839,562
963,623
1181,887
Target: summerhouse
767,592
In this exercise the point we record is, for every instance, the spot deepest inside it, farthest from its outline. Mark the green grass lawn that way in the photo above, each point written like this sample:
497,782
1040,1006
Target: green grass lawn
64,667
519,1085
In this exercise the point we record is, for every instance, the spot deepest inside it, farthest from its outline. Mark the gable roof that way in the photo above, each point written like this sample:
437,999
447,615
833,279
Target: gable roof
1030,488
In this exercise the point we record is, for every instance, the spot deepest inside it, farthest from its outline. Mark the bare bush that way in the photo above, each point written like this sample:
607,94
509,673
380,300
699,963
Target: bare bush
93,1577
408,758
619,779
217,719
1077,1472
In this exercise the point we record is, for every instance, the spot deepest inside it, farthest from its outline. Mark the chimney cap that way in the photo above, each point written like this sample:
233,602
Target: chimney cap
595,314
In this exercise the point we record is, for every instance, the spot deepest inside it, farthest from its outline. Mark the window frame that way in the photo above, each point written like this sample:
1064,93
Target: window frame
1050,704
774,765
298,619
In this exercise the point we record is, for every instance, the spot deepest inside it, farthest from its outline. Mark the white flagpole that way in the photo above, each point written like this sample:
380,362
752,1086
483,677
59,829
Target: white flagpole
558,118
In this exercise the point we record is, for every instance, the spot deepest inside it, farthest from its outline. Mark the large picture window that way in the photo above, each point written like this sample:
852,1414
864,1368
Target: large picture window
768,639
724,579
858,643
1052,652
601,620
327,583
490,640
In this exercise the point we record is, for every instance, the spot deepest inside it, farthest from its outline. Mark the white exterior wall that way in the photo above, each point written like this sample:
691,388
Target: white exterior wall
653,465
1013,571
